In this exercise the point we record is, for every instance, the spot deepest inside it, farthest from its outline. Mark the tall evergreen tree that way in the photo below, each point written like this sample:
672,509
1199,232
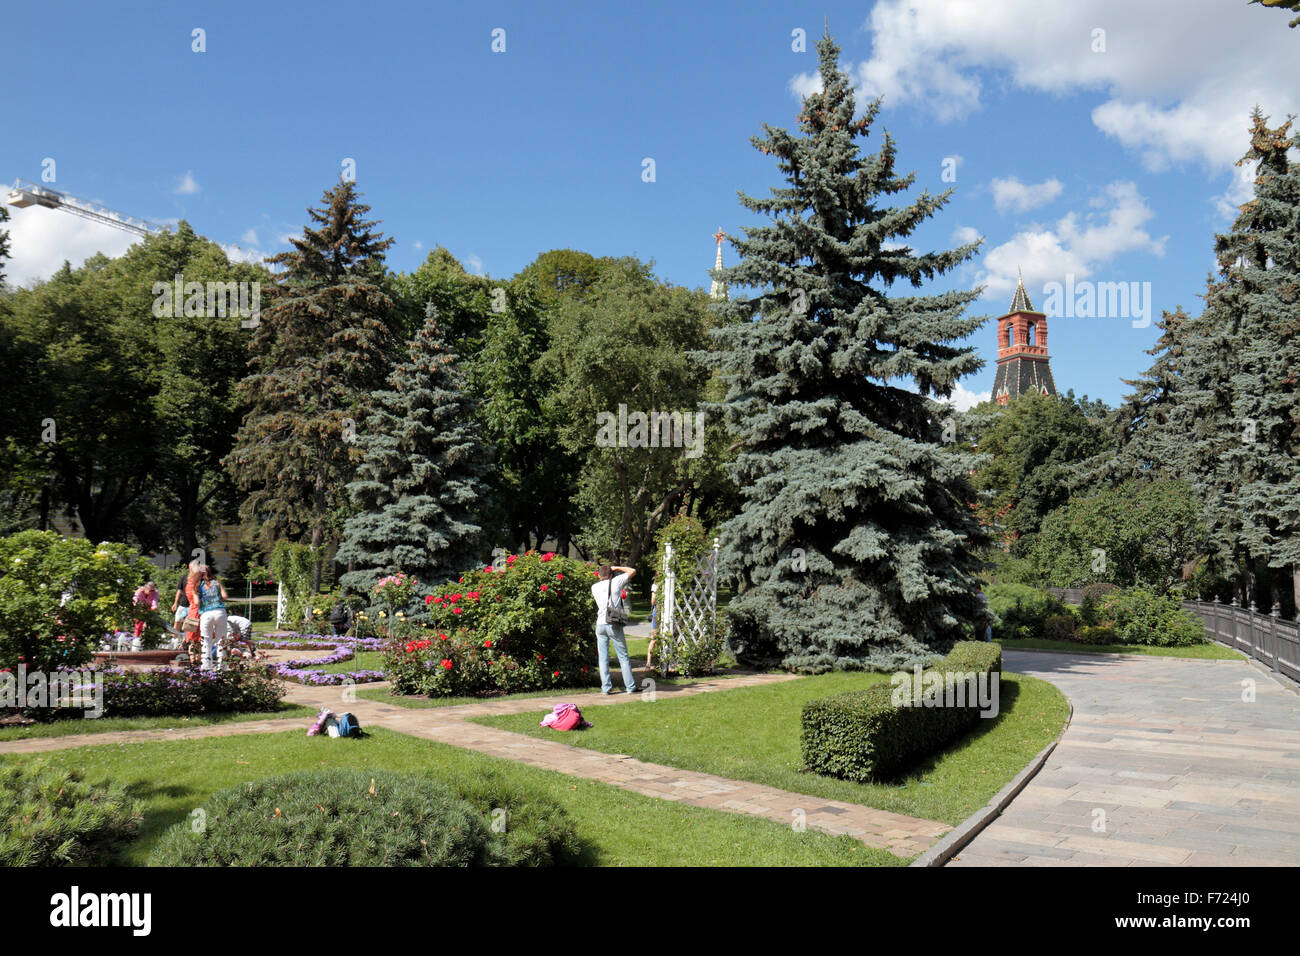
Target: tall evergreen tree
1150,426
322,346
424,476
1260,259
856,542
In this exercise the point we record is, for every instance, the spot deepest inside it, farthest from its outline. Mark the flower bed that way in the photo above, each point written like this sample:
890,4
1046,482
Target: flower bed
171,692
309,670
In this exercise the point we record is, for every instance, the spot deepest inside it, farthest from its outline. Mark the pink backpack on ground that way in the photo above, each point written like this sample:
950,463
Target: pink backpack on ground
565,717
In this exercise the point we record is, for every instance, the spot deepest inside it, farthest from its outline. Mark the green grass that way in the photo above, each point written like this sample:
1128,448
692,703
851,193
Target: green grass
362,661
753,734
104,725
618,827
1209,652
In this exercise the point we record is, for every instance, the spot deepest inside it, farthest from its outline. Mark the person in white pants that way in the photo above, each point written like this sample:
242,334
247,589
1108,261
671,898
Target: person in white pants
212,618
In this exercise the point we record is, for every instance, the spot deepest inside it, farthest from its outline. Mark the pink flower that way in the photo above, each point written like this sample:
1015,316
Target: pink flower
446,664
543,587
559,577
455,610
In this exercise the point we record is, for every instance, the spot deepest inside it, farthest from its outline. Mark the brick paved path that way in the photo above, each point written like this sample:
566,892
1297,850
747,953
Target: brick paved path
1185,771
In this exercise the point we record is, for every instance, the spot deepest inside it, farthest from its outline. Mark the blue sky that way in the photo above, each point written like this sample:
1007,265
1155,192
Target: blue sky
1106,157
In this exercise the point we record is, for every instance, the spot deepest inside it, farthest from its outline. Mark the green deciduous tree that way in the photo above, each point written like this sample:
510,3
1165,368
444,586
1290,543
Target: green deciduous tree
856,543
628,395
1034,455
1141,533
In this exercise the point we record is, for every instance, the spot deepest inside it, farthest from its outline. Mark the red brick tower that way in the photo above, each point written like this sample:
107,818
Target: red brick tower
1022,351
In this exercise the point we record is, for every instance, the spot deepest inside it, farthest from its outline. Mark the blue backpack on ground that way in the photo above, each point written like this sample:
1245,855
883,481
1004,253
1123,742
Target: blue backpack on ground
349,726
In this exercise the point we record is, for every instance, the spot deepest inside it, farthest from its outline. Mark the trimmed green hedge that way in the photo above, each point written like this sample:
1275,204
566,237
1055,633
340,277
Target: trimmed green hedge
872,735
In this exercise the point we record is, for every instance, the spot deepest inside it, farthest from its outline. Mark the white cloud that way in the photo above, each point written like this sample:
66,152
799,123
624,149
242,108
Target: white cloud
1074,245
963,235
1241,188
474,264
249,237
963,399
235,254
806,84
1179,85
187,185
1012,194
40,240
417,244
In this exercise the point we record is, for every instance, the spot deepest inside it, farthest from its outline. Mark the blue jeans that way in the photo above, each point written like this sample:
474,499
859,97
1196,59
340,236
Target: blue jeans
604,634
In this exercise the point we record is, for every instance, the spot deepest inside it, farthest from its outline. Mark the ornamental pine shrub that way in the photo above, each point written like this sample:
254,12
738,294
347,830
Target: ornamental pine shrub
370,818
865,736
51,817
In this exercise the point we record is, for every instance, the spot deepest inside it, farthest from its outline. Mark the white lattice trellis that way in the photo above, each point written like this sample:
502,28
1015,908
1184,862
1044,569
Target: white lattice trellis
689,609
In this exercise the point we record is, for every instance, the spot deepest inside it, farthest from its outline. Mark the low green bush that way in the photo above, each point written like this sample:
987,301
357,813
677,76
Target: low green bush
1093,595
1059,627
1021,612
51,817
875,734
1096,634
370,818
1139,616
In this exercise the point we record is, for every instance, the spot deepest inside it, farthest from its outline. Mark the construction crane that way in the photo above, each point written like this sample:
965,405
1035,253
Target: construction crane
24,194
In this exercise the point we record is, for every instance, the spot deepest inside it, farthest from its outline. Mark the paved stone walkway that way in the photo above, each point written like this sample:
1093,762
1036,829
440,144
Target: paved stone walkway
1168,757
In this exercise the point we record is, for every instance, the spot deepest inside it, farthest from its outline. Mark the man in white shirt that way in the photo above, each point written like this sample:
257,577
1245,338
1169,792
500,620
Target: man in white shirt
612,581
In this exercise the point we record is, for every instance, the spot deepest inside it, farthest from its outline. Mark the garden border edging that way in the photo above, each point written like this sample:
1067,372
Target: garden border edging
956,839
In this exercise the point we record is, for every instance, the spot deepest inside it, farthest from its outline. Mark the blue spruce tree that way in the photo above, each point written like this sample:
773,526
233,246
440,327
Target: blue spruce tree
856,545
424,476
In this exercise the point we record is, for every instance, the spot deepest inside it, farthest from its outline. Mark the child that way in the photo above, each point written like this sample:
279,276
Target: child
147,598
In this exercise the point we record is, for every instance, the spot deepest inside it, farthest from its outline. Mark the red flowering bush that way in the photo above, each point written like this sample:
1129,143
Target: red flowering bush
529,626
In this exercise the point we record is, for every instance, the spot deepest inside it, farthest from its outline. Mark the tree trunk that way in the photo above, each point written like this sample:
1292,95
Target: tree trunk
45,507
316,536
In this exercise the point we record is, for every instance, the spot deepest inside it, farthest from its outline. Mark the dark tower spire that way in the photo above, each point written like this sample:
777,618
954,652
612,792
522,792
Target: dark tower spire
1022,351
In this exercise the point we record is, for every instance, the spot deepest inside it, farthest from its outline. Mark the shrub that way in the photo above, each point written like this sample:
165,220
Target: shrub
699,658
1139,616
1093,595
52,817
1093,634
370,818
528,626
60,596
1020,611
874,734
163,692
1059,627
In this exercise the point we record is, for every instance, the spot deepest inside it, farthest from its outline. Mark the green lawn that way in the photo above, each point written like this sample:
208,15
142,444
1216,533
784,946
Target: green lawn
104,725
1211,652
753,734
619,828
361,661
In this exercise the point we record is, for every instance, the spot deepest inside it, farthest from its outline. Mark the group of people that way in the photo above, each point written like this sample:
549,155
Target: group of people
209,633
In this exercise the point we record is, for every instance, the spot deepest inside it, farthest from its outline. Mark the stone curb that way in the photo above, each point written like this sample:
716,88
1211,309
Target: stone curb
956,839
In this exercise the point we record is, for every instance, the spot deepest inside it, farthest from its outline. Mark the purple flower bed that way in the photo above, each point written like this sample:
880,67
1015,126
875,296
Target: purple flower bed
176,692
308,670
